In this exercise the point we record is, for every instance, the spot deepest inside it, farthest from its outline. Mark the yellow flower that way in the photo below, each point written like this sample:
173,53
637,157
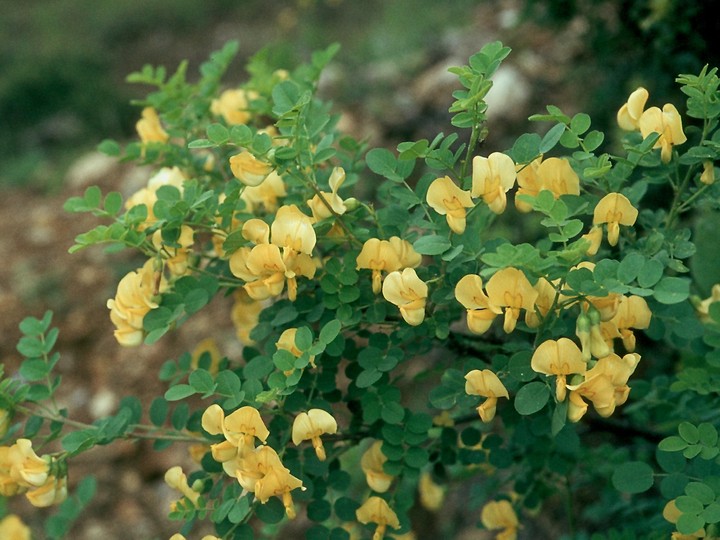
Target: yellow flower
265,270
431,494
286,341
53,491
245,314
628,117
378,256
605,385
233,106
255,464
554,175
208,347
544,301
510,289
614,209
492,178
240,429
668,124
560,358
450,201
148,195
371,463
407,256
8,485
407,291
480,312
256,231
27,469
176,258
293,230
500,515
594,237
708,174
12,528
632,312
312,424
264,267
135,297
176,479
529,183
319,208
376,510
262,473
557,176
486,384
249,169
149,127
265,194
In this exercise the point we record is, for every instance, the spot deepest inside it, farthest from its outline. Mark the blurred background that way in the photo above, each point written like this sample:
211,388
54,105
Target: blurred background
63,65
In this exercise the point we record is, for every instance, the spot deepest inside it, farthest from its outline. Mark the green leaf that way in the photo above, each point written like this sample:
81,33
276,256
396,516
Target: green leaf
551,138
285,96
79,441
700,491
711,514
593,140
113,203
345,508
34,369
368,377
431,245
672,290
381,161
285,315
158,411
526,148
630,267
271,512
109,148
708,434
519,366
651,273
202,382
218,134
689,432
531,398
319,510
330,331
580,123
689,523
201,143
303,338
633,477
179,391
673,444
32,327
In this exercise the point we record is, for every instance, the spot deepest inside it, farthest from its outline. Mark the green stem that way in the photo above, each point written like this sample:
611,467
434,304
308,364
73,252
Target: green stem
569,506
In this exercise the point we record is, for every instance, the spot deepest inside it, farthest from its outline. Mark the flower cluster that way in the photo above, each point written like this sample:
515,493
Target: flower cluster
667,122
492,178
282,252
23,471
137,294
259,469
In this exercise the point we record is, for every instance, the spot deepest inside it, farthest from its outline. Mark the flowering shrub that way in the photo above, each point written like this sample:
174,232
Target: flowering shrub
374,379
